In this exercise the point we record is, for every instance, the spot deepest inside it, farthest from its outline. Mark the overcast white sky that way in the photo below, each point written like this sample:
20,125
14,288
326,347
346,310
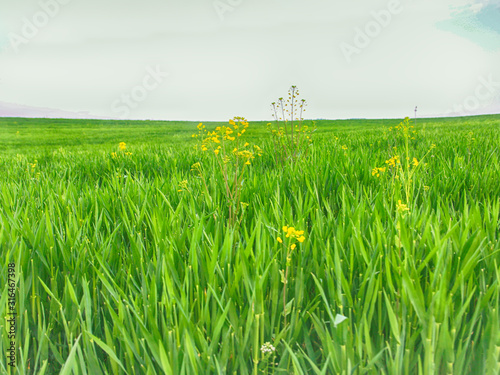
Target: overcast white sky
212,60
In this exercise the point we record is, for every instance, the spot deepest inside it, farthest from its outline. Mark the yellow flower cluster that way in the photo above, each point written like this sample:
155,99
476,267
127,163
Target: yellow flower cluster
405,129
33,168
393,161
222,135
122,146
196,167
183,185
279,133
376,171
201,130
402,208
293,234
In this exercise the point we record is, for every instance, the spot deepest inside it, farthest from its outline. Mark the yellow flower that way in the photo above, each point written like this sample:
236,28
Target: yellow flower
246,144
122,146
393,161
216,152
301,239
402,208
415,162
248,162
183,185
285,229
231,122
344,147
293,246
279,240
376,171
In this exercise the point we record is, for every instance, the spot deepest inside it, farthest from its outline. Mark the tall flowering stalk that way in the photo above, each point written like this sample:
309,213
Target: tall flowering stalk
292,237
403,165
291,137
233,157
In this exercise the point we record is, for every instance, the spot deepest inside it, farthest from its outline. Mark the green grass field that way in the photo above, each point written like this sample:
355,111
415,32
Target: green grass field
125,263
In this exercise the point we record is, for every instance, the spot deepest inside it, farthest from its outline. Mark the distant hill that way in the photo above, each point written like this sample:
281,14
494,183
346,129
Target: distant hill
19,110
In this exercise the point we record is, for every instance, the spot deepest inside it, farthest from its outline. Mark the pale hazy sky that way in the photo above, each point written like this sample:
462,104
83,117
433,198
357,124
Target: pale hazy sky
212,60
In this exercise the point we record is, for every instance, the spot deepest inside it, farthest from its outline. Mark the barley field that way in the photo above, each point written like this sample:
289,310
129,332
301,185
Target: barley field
147,248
